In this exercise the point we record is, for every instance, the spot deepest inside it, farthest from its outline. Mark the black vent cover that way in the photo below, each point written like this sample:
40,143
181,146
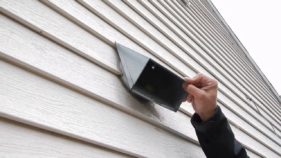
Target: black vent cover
149,80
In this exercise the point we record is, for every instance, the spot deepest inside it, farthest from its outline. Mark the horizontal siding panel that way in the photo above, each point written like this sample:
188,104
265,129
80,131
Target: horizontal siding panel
39,102
201,15
52,25
130,13
18,140
259,77
62,64
45,144
265,85
224,52
147,15
238,101
241,53
72,43
218,26
137,34
107,50
127,12
214,70
154,20
57,26
254,79
52,16
84,73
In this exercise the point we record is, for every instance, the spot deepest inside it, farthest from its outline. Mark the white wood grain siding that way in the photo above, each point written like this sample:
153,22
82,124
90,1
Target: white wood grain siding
85,98
236,100
147,15
218,25
211,39
18,140
122,9
51,20
256,115
208,15
36,101
255,73
64,5
44,144
84,13
265,106
50,63
215,70
199,12
220,60
58,68
259,75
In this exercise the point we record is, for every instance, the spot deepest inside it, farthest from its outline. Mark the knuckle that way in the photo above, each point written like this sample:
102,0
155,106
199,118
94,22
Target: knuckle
189,88
200,95
216,82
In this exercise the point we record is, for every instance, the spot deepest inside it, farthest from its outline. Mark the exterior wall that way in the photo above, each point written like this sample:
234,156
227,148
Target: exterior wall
61,93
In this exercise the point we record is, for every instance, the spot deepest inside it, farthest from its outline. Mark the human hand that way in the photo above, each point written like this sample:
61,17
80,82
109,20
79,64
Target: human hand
202,94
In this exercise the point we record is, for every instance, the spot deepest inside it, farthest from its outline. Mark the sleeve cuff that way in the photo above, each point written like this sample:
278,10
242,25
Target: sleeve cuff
209,125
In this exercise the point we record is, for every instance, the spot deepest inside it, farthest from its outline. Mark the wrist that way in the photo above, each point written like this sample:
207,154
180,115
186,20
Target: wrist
204,116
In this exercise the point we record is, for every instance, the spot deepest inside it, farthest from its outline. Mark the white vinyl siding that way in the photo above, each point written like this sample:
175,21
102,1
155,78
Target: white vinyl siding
18,140
59,72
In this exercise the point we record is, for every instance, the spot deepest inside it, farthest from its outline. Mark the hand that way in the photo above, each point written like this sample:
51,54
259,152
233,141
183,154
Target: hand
202,93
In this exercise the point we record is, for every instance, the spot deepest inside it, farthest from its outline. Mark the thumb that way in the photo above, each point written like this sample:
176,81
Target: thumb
191,89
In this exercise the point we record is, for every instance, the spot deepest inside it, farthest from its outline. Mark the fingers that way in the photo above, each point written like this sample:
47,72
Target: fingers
191,86
197,86
213,84
194,91
196,80
201,81
189,80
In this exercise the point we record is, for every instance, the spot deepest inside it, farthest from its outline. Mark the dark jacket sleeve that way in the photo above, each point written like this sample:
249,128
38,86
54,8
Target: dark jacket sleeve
216,137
